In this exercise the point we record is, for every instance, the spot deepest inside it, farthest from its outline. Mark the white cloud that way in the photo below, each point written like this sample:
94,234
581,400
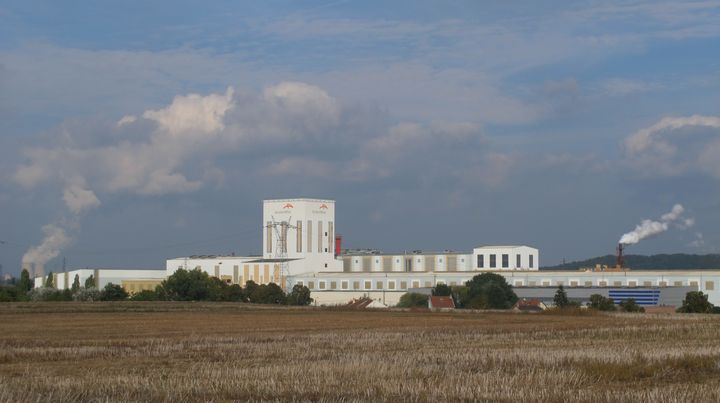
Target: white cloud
664,149
193,114
56,238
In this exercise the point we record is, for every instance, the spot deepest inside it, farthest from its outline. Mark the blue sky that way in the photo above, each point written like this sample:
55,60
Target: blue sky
135,131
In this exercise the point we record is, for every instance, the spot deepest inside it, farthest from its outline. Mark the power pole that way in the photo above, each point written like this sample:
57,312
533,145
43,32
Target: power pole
280,230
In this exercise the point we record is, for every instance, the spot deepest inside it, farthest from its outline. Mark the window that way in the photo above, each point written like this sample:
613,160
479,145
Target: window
368,285
320,237
559,283
379,285
693,284
330,235
416,284
356,285
480,261
333,285
403,285
391,285
493,262
588,284
617,283
678,284
518,284
344,285
546,283
709,285
428,284
322,285
632,284
532,261
505,260
603,284
268,238
531,283
663,284
311,284
300,283
573,284
517,261
647,283
298,237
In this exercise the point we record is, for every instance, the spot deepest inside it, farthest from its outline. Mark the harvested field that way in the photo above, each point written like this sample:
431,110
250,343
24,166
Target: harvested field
221,352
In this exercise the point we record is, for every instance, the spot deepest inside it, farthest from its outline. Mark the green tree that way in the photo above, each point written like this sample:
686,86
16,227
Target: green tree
49,283
561,299
299,295
268,294
489,291
413,300
113,292
76,284
9,294
25,284
696,302
187,285
629,305
250,288
90,282
442,290
601,303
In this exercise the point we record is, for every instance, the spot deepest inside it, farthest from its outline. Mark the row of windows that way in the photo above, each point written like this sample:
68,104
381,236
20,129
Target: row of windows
505,261
709,285
403,284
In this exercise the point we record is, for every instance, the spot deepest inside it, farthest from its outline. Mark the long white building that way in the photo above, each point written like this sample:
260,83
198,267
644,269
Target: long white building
299,247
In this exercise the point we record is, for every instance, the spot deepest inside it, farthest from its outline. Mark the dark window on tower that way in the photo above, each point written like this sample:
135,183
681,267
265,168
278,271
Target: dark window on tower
532,261
505,260
481,261
517,261
493,262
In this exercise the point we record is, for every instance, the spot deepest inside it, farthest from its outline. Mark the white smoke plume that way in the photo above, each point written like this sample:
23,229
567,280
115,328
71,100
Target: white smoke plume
650,228
55,240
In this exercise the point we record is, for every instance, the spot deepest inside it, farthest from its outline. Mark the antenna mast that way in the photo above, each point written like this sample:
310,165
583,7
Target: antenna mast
280,230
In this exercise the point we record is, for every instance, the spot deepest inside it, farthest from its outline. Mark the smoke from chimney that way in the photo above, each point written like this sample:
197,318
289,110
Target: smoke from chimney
650,228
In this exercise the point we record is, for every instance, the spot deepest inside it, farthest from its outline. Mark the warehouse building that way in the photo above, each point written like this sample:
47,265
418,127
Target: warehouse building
300,246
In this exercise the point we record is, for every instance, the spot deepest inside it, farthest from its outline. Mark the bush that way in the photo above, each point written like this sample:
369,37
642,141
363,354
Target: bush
90,282
145,295
489,291
187,285
24,285
561,300
601,303
88,294
695,302
50,294
8,294
413,300
442,290
300,295
629,305
113,292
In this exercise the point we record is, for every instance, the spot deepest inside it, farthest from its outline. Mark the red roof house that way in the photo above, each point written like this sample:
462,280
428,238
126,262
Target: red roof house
441,303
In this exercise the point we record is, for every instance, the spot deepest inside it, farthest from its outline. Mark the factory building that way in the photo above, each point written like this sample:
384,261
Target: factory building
300,246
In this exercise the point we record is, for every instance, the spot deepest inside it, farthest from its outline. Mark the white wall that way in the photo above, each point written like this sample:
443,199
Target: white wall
527,254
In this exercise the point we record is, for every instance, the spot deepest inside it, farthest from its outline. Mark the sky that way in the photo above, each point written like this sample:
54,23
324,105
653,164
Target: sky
135,131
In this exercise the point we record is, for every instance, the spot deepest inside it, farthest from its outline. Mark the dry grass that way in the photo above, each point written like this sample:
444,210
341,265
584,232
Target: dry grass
225,352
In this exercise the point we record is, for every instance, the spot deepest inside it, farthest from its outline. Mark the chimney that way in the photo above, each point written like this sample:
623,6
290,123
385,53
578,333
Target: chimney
338,245
620,258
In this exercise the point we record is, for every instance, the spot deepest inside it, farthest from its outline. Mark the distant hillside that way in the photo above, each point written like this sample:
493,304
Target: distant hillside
677,261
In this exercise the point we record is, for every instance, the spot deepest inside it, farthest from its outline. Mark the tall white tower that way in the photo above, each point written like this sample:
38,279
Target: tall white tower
305,229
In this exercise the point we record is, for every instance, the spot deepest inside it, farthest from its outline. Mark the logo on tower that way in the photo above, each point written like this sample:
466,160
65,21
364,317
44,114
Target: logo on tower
323,206
288,205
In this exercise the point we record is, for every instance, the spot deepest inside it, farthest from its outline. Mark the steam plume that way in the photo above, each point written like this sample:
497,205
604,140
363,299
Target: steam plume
650,228
55,240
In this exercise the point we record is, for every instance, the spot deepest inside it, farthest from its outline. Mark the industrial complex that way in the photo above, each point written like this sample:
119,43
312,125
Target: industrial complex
300,246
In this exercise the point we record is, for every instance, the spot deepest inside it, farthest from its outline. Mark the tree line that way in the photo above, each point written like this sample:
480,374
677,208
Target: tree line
183,285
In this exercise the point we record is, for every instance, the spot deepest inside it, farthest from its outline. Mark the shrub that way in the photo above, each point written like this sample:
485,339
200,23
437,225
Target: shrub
695,302
87,294
601,303
267,294
8,294
442,290
113,292
90,282
24,285
413,300
49,281
187,285
50,294
629,305
300,295
489,291
76,284
145,295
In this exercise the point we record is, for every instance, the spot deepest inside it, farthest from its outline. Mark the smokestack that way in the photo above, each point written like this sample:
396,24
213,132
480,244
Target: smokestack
620,258
338,245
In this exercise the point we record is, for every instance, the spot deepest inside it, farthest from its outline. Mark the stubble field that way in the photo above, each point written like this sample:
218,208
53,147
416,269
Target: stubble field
225,352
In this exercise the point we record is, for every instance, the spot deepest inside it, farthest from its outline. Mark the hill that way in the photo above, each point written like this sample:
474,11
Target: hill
677,261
